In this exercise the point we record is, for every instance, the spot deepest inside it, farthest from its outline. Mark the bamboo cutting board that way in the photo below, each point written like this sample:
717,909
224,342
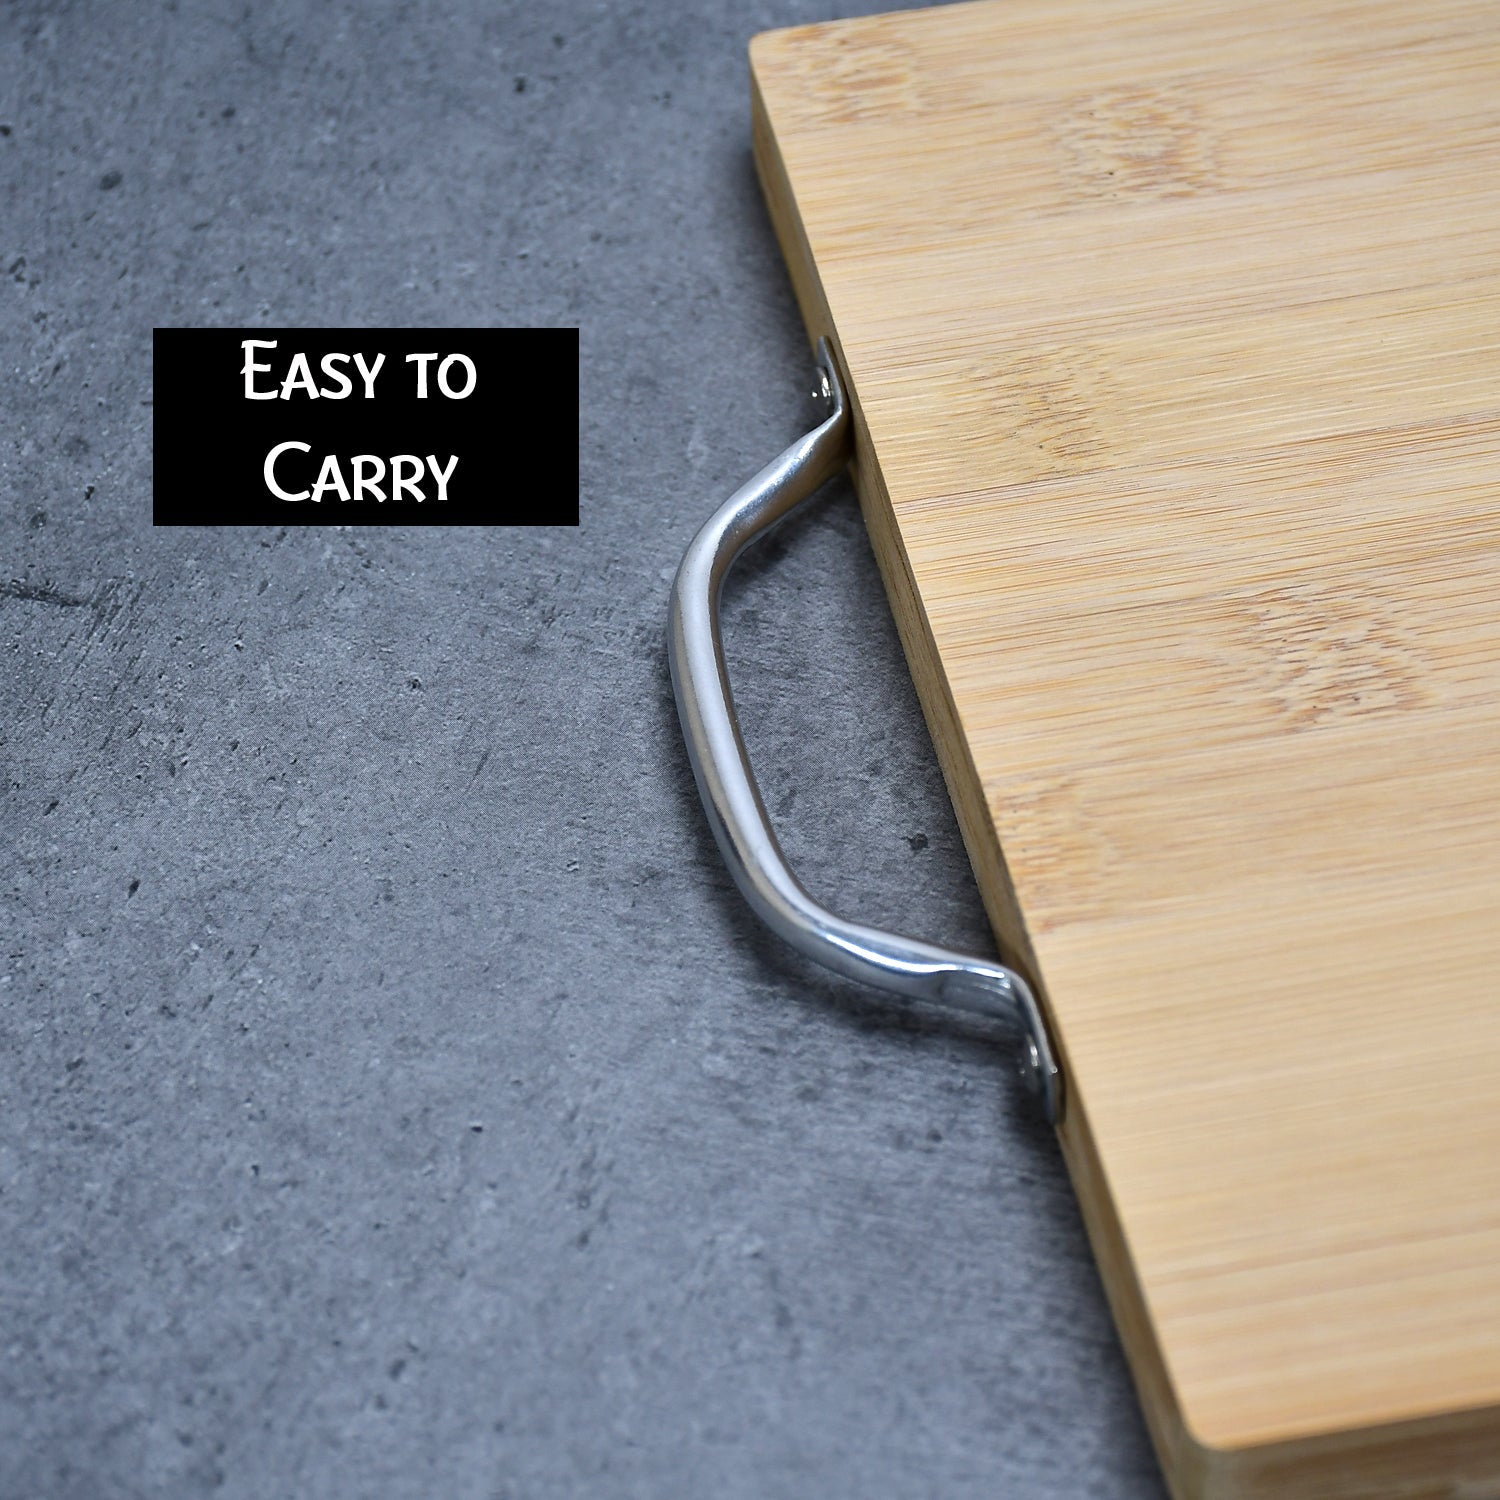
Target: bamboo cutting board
1172,332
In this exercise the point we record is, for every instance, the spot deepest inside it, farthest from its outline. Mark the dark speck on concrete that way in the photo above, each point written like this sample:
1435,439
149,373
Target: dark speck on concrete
110,179
135,885
37,519
917,841
520,85
4,129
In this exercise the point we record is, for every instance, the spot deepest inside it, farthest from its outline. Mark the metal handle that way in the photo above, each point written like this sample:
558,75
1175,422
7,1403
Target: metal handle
898,965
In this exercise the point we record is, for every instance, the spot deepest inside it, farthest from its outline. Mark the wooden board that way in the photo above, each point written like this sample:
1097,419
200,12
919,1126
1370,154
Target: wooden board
1173,336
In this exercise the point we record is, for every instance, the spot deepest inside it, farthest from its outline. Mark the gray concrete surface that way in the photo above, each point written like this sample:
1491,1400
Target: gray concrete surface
397,1099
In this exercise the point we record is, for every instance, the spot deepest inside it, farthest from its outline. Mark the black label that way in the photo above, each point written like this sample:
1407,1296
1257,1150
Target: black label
366,427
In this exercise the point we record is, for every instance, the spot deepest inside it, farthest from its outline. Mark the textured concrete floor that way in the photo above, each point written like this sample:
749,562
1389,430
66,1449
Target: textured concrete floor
397,1099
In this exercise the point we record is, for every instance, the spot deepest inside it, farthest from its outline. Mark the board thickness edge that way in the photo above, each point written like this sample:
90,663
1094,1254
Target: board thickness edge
1181,1456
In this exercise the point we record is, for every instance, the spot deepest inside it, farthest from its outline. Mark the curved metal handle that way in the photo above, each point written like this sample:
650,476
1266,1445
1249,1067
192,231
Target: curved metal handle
898,965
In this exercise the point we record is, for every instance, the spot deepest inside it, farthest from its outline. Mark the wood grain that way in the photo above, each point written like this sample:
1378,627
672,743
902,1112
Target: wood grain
1173,338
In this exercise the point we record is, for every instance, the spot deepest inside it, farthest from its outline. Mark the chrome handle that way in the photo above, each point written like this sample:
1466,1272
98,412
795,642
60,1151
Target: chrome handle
898,965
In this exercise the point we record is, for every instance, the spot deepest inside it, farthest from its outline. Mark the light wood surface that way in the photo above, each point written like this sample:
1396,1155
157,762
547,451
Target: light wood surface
1173,334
